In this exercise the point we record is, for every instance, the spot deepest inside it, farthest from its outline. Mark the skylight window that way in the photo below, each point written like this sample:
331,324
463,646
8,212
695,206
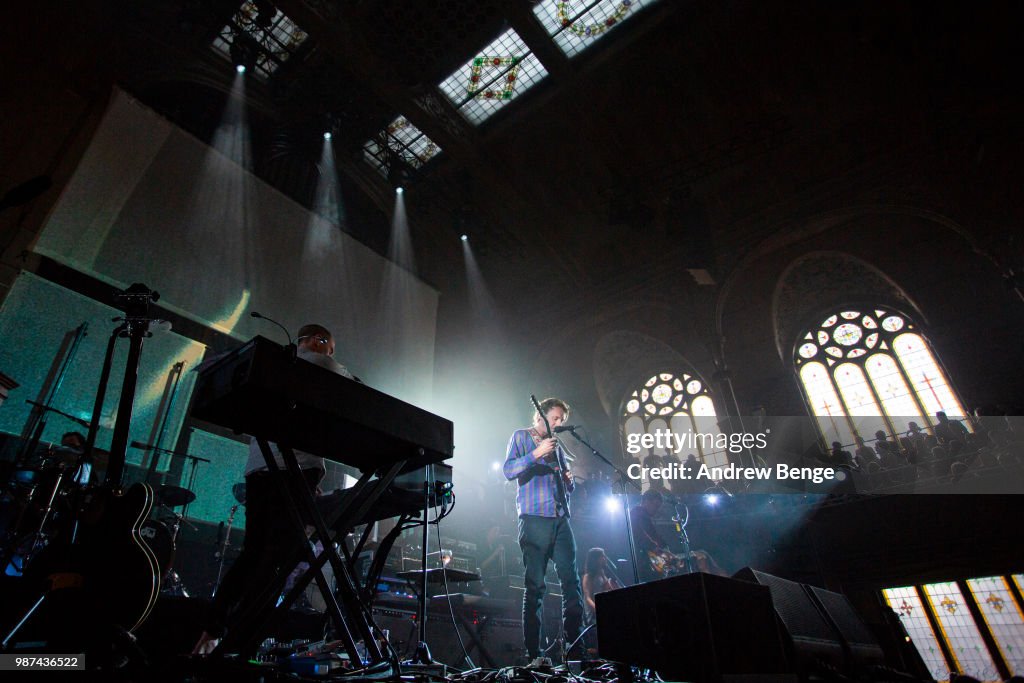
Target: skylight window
575,26
495,76
402,139
261,35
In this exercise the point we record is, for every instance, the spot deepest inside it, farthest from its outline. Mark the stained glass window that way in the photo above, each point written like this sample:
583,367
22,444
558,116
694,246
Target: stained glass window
1003,618
274,39
575,25
493,77
825,404
402,140
681,403
907,604
865,370
960,631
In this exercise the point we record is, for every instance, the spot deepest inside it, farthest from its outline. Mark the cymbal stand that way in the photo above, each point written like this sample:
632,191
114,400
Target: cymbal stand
224,549
192,478
173,584
16,540
38,535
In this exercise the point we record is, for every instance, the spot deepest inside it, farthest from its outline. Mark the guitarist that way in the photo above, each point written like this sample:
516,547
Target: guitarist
645,534
534,460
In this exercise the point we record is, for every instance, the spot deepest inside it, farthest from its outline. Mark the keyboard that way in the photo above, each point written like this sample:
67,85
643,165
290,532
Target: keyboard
261,389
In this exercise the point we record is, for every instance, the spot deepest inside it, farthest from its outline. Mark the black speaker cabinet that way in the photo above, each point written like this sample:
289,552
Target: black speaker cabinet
697,627
491,642
821,625
860,644
810,634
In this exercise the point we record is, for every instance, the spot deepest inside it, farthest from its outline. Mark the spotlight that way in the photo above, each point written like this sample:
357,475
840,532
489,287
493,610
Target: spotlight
327,135
712,499
399,190
243,52
612,504
464,238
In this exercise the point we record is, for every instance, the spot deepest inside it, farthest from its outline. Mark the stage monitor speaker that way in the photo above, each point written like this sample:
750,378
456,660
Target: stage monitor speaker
812,637
861,646
821,625
697,627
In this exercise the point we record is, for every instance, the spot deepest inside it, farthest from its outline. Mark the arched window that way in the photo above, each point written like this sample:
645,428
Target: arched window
680,403
868,369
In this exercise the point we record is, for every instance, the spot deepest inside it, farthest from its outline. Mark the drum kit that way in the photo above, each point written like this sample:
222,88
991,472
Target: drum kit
38,500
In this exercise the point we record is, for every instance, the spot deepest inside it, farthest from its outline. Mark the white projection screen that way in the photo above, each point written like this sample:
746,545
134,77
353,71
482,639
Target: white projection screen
150,203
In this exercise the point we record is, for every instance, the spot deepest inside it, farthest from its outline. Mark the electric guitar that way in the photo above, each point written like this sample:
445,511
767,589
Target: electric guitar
110,560
665,563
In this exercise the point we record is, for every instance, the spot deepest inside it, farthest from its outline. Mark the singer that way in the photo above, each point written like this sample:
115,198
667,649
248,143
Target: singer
534,460
269,537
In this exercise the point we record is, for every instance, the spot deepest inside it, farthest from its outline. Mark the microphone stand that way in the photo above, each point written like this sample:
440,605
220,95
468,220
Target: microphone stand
292,347
681,519
623,479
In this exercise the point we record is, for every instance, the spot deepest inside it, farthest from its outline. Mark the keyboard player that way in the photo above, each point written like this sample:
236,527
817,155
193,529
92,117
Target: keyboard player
270,539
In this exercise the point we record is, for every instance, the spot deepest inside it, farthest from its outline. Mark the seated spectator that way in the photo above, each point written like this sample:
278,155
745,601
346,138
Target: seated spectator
864,455
916,444
839,457
888,452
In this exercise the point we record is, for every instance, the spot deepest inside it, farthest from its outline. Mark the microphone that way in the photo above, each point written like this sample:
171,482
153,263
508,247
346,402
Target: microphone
565,428
254,314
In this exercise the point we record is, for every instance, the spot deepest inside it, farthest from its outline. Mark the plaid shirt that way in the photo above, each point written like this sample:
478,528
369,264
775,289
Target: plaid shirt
537,493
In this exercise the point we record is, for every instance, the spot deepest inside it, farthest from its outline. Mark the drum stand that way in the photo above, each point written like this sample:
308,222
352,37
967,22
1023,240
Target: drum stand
39,536
172,583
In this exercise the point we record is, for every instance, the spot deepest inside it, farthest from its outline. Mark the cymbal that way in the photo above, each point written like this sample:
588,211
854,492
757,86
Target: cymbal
173,496
238,491
439,575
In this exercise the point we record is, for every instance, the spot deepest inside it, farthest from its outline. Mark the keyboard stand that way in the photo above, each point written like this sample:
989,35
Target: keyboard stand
356,623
